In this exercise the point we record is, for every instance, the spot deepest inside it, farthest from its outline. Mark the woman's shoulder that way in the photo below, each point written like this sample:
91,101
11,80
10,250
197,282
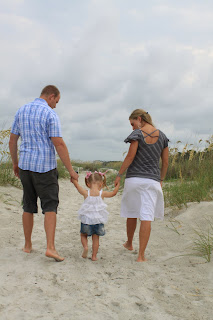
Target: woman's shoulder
134,135
162,134
163,138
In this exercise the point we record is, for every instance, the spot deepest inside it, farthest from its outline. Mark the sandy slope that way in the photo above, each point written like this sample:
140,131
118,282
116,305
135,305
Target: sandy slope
171,285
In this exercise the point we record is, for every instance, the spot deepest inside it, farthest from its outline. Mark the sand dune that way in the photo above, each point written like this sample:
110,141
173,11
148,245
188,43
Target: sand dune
171,285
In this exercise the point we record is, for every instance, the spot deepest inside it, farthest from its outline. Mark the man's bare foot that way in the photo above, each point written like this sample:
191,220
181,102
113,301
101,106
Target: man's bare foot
94,258
127,246
85,252
54,254
141,259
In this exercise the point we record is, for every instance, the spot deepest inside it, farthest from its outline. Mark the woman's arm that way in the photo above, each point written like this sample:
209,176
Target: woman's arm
165,162
128,160
81,190
110,194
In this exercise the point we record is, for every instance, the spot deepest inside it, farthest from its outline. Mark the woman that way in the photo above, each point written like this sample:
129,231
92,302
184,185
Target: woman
142,195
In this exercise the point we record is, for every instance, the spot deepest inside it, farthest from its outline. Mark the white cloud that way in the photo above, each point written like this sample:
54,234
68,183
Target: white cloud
104,73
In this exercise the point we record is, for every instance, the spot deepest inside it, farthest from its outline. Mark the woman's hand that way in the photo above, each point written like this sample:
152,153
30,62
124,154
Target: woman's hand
117,180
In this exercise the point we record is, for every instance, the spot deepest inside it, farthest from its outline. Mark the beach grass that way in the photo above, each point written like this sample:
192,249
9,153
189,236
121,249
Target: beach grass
190,175
6,168
174,225
203,244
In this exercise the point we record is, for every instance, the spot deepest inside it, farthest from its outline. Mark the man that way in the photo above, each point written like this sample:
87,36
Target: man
40,131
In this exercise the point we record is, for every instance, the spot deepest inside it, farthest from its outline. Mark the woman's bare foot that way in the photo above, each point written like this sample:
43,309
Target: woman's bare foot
27,250
128,246
94,258
85,253
54,254
27,247
141,259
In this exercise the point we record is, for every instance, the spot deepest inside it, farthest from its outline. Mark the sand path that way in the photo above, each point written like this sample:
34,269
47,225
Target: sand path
170,285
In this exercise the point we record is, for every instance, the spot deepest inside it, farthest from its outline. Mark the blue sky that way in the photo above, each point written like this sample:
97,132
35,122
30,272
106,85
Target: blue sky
108,58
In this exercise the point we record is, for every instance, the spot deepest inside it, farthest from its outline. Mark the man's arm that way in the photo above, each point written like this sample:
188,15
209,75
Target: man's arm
62,151
13,145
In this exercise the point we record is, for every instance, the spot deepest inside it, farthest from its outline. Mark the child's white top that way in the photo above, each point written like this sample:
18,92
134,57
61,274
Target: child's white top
93,210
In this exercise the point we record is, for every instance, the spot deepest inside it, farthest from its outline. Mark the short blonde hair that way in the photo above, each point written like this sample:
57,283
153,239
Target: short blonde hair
96,177
143,114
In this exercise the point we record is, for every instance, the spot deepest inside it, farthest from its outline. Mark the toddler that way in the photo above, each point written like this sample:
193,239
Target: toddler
93,213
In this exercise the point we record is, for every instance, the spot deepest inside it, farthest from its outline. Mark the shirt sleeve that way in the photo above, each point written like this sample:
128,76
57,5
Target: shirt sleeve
54,128
135,135
15,126
166,141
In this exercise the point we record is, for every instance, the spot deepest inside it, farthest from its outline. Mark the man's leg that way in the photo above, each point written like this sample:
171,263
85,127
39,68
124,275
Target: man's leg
144,234
131,224
50,226
27,219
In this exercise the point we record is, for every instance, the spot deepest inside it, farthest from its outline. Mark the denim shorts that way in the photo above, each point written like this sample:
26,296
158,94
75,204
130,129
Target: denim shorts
89,230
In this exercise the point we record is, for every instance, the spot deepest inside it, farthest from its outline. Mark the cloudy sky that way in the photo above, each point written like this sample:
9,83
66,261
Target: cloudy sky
109,57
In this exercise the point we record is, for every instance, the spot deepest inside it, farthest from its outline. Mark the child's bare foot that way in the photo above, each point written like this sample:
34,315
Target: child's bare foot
128,246
94,258
54,254
85,253
141,259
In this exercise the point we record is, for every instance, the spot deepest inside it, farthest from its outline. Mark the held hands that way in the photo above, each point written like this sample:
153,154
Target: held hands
117,181
117,185
74,181
73,176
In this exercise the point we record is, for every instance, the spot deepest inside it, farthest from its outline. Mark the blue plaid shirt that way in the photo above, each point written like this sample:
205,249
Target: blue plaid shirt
36,123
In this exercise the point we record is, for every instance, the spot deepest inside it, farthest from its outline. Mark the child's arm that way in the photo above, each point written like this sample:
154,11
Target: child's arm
81,190
110,194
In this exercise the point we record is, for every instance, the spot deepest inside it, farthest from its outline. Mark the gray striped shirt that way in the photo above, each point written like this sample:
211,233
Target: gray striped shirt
146,161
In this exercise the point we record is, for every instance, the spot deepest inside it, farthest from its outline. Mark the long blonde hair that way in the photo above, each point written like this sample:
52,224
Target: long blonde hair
143,114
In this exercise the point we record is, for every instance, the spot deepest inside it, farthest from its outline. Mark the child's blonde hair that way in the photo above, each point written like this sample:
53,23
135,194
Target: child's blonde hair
95,177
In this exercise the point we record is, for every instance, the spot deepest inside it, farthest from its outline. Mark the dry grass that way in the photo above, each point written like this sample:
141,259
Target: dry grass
189,175
6,167
203,244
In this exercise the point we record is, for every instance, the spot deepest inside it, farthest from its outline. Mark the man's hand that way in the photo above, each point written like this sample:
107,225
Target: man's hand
73,180
16,170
